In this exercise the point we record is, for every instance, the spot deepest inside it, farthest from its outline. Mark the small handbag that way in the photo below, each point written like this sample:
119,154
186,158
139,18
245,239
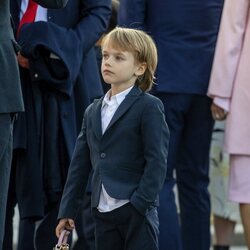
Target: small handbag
62,241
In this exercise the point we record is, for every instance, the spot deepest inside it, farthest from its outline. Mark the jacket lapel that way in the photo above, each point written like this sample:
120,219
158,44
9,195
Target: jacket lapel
97,120
19,2
129,100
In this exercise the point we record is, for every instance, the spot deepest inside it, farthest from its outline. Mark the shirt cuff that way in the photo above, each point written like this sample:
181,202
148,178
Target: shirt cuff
222,102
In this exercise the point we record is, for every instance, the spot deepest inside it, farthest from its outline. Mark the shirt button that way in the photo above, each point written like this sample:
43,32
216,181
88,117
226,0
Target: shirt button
35,75
103,155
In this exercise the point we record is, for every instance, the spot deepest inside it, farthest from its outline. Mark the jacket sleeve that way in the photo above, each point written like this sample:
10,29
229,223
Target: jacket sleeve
132,14
228,48
155,135
77,177
54,4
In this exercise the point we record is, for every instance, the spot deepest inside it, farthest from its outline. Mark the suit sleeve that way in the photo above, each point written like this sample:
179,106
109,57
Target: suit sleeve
228,48
155,135
132,14
53,4
77,177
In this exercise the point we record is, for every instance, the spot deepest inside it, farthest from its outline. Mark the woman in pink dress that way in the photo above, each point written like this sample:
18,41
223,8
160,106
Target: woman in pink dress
230,89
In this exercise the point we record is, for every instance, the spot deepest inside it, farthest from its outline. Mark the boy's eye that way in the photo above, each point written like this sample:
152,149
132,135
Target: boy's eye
118,58
105,56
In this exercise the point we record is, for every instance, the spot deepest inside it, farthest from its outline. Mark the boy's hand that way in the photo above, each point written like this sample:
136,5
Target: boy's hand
65,223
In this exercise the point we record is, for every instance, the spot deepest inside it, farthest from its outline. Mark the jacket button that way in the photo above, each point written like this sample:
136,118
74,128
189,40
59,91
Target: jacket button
103,155
36,75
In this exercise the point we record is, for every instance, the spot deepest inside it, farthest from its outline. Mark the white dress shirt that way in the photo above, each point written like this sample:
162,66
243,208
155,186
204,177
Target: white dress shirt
41,13
109,106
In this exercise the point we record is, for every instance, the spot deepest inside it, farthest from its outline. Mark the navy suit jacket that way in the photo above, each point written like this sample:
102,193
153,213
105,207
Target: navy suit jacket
130,158
185,33
70,33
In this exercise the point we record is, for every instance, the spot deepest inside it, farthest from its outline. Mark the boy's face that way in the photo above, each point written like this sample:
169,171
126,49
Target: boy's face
119,67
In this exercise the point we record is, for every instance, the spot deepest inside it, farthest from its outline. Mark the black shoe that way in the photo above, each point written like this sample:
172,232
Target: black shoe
217,247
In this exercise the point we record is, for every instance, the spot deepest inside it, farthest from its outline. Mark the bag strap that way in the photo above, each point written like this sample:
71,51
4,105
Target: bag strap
63,238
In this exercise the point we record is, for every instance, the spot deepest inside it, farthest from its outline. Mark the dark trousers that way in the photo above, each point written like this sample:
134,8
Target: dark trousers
190,123
126,229
45,237
26,226
5,166
85,226
43,234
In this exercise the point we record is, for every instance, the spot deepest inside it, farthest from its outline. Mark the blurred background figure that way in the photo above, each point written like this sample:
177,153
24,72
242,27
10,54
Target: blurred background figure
229,87
225,213
10,103
10,98
185,33
112,24
59,77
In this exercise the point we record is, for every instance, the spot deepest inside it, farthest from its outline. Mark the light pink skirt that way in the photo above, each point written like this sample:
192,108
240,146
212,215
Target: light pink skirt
239,182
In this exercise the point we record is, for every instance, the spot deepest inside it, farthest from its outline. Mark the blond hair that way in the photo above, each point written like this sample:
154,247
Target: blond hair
142,46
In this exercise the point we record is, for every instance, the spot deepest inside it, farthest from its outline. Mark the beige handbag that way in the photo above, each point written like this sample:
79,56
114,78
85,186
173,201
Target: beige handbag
62,241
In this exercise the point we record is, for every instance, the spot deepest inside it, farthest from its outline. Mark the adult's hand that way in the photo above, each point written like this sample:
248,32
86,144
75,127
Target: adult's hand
23,61
218,113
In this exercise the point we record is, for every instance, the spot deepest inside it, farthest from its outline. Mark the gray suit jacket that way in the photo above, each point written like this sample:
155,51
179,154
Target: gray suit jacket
10,90
130,158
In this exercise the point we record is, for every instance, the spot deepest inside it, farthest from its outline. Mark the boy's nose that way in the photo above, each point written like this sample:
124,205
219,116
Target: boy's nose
107,61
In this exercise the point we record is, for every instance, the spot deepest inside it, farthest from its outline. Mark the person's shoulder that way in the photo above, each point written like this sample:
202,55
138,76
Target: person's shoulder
89,109
149,98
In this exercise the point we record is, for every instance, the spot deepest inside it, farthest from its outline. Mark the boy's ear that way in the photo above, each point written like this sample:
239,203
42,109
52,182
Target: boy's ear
141,69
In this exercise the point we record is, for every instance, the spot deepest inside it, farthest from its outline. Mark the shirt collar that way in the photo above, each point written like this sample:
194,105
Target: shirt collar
118,98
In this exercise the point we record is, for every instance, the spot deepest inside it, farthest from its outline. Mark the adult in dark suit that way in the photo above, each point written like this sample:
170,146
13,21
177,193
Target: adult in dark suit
59,77
185,34
10,99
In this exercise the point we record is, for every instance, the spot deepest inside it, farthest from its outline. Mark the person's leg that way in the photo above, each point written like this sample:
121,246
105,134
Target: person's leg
107,236
26,227
239,186
10,209
45,237
139,231
5,167
170,236
26,235
225,213
245,217
85,227
193,173
224,230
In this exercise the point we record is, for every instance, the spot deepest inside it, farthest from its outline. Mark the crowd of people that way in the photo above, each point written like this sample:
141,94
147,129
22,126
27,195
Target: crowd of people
107,106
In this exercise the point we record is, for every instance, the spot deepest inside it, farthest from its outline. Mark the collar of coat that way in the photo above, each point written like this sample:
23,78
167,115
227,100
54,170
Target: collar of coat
129,100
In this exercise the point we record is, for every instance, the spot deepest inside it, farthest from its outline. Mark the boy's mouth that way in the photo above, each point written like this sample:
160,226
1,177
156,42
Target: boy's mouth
107,72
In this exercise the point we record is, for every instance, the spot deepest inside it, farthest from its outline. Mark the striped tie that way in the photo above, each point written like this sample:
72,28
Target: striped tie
29,15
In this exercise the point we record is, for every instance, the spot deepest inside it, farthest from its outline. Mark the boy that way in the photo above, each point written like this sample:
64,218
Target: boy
123,147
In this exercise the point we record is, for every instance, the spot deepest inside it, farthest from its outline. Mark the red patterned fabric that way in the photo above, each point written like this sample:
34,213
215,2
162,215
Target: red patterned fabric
29,15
